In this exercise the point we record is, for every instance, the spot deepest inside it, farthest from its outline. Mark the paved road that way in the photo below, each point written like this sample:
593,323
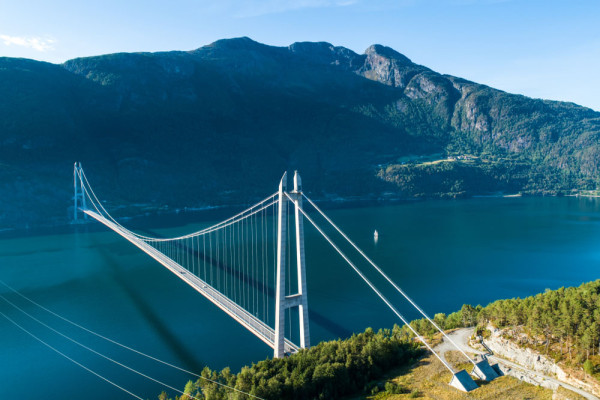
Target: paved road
461,338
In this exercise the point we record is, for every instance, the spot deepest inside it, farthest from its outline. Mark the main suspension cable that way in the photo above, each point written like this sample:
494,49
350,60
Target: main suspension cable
217,226
372,286
387,278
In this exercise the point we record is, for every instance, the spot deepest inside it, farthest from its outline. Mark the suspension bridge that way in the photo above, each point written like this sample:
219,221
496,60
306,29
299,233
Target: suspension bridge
236,263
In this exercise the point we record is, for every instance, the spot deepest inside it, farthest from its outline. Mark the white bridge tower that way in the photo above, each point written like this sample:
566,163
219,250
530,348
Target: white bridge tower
283,300
78,196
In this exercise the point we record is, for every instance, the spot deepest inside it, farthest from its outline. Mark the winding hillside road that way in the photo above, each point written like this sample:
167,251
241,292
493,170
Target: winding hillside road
461,338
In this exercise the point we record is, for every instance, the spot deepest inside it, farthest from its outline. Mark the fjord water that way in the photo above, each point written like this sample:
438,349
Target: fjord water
443,253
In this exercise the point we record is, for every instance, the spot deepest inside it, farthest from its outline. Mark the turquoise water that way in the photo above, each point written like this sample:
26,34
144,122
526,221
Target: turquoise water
443,254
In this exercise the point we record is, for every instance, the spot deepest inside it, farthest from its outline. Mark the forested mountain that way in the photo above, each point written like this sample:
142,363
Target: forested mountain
220,124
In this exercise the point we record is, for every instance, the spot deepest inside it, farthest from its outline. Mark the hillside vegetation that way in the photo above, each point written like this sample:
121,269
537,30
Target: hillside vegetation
329,370
220,124
563,323
390,363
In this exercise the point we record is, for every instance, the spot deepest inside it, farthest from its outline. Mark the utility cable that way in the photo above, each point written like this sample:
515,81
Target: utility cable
92,350
69,358
122,345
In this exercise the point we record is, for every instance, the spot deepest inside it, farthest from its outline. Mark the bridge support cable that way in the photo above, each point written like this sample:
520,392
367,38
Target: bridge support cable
382,273
231,267
372,286
238,313
87,189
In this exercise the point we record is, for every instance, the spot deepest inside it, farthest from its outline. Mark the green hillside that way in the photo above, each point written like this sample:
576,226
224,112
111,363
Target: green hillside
220,124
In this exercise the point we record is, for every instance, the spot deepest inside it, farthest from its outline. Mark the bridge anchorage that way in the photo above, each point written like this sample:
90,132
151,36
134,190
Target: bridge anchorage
244,266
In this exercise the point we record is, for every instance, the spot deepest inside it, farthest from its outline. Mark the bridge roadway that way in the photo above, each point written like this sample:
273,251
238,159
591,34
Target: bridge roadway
249,321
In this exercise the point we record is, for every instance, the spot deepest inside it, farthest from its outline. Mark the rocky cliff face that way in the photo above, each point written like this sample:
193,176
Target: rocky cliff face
526,357
532,360
385,65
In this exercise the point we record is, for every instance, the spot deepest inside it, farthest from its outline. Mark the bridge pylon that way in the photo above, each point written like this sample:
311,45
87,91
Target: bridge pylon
79,195
285,301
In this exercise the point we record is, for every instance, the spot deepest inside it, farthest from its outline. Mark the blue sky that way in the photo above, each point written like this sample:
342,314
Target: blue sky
548,49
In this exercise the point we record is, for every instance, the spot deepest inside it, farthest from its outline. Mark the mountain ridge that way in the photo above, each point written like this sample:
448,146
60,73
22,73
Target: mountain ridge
353,124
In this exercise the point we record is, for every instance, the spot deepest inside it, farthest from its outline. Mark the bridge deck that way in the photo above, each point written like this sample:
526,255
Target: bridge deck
249,321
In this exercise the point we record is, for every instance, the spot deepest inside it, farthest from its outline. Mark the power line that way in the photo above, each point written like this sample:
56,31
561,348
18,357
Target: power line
122,345
69,358
92,350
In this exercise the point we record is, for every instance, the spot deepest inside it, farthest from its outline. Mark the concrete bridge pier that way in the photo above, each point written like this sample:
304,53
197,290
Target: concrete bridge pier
463,381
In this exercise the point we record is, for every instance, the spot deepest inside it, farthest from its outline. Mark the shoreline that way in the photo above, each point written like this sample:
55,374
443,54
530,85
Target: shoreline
206,213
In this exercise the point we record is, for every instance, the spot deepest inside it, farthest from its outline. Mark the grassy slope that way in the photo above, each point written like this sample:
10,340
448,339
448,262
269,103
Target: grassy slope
429,378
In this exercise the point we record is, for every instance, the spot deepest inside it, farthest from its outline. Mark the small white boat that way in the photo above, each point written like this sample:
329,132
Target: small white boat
375,234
